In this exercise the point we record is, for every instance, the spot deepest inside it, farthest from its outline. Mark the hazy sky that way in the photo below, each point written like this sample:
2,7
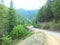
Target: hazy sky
27,4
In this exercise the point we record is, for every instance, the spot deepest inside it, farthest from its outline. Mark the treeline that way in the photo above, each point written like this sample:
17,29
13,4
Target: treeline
50,11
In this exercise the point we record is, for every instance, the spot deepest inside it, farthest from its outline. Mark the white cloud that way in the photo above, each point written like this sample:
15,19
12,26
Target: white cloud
27,4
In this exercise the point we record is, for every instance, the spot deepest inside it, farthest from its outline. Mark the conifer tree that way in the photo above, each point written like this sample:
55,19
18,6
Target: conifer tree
11,14
55,7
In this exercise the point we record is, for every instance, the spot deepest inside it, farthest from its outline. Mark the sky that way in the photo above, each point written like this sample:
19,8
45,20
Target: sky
27,4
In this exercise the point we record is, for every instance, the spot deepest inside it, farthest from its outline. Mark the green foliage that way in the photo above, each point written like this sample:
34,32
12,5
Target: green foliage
12,14
46,26
11,17
19,32
56,26
55,8
6,40
3,18
26,24
20,19
38,25
50,13
53,21
11,24
43,15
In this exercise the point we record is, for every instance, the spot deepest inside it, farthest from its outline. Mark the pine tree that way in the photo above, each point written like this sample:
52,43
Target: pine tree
49,12
45,13
12,14
55,7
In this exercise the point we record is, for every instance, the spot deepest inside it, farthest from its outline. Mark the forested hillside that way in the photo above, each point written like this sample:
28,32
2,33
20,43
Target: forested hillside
49,15
20,19
51,10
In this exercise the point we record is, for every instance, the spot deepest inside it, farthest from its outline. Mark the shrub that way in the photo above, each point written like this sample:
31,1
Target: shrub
26,24
57,26
46,26
6,40
19,32
54,21
37,25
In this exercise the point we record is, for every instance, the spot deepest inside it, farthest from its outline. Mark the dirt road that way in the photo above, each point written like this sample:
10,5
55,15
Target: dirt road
53,38
38,38
55,34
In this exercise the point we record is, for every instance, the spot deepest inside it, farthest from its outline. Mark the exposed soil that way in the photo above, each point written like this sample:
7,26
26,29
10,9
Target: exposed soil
35,39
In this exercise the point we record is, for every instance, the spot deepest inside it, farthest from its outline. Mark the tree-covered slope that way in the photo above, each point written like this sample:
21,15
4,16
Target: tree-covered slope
20,19
50,11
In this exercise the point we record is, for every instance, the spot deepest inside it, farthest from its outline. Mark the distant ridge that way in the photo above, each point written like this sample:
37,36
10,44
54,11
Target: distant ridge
29,14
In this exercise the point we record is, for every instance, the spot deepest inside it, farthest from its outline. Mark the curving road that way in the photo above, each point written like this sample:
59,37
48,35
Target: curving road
55,34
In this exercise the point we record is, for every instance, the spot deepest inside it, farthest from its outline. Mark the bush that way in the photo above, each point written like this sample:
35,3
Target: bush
37,25
6,40
54,21
26,24
57,26
46,26
19,32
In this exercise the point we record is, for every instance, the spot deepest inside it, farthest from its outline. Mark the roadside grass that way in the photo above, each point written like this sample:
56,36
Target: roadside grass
49,26
20,39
